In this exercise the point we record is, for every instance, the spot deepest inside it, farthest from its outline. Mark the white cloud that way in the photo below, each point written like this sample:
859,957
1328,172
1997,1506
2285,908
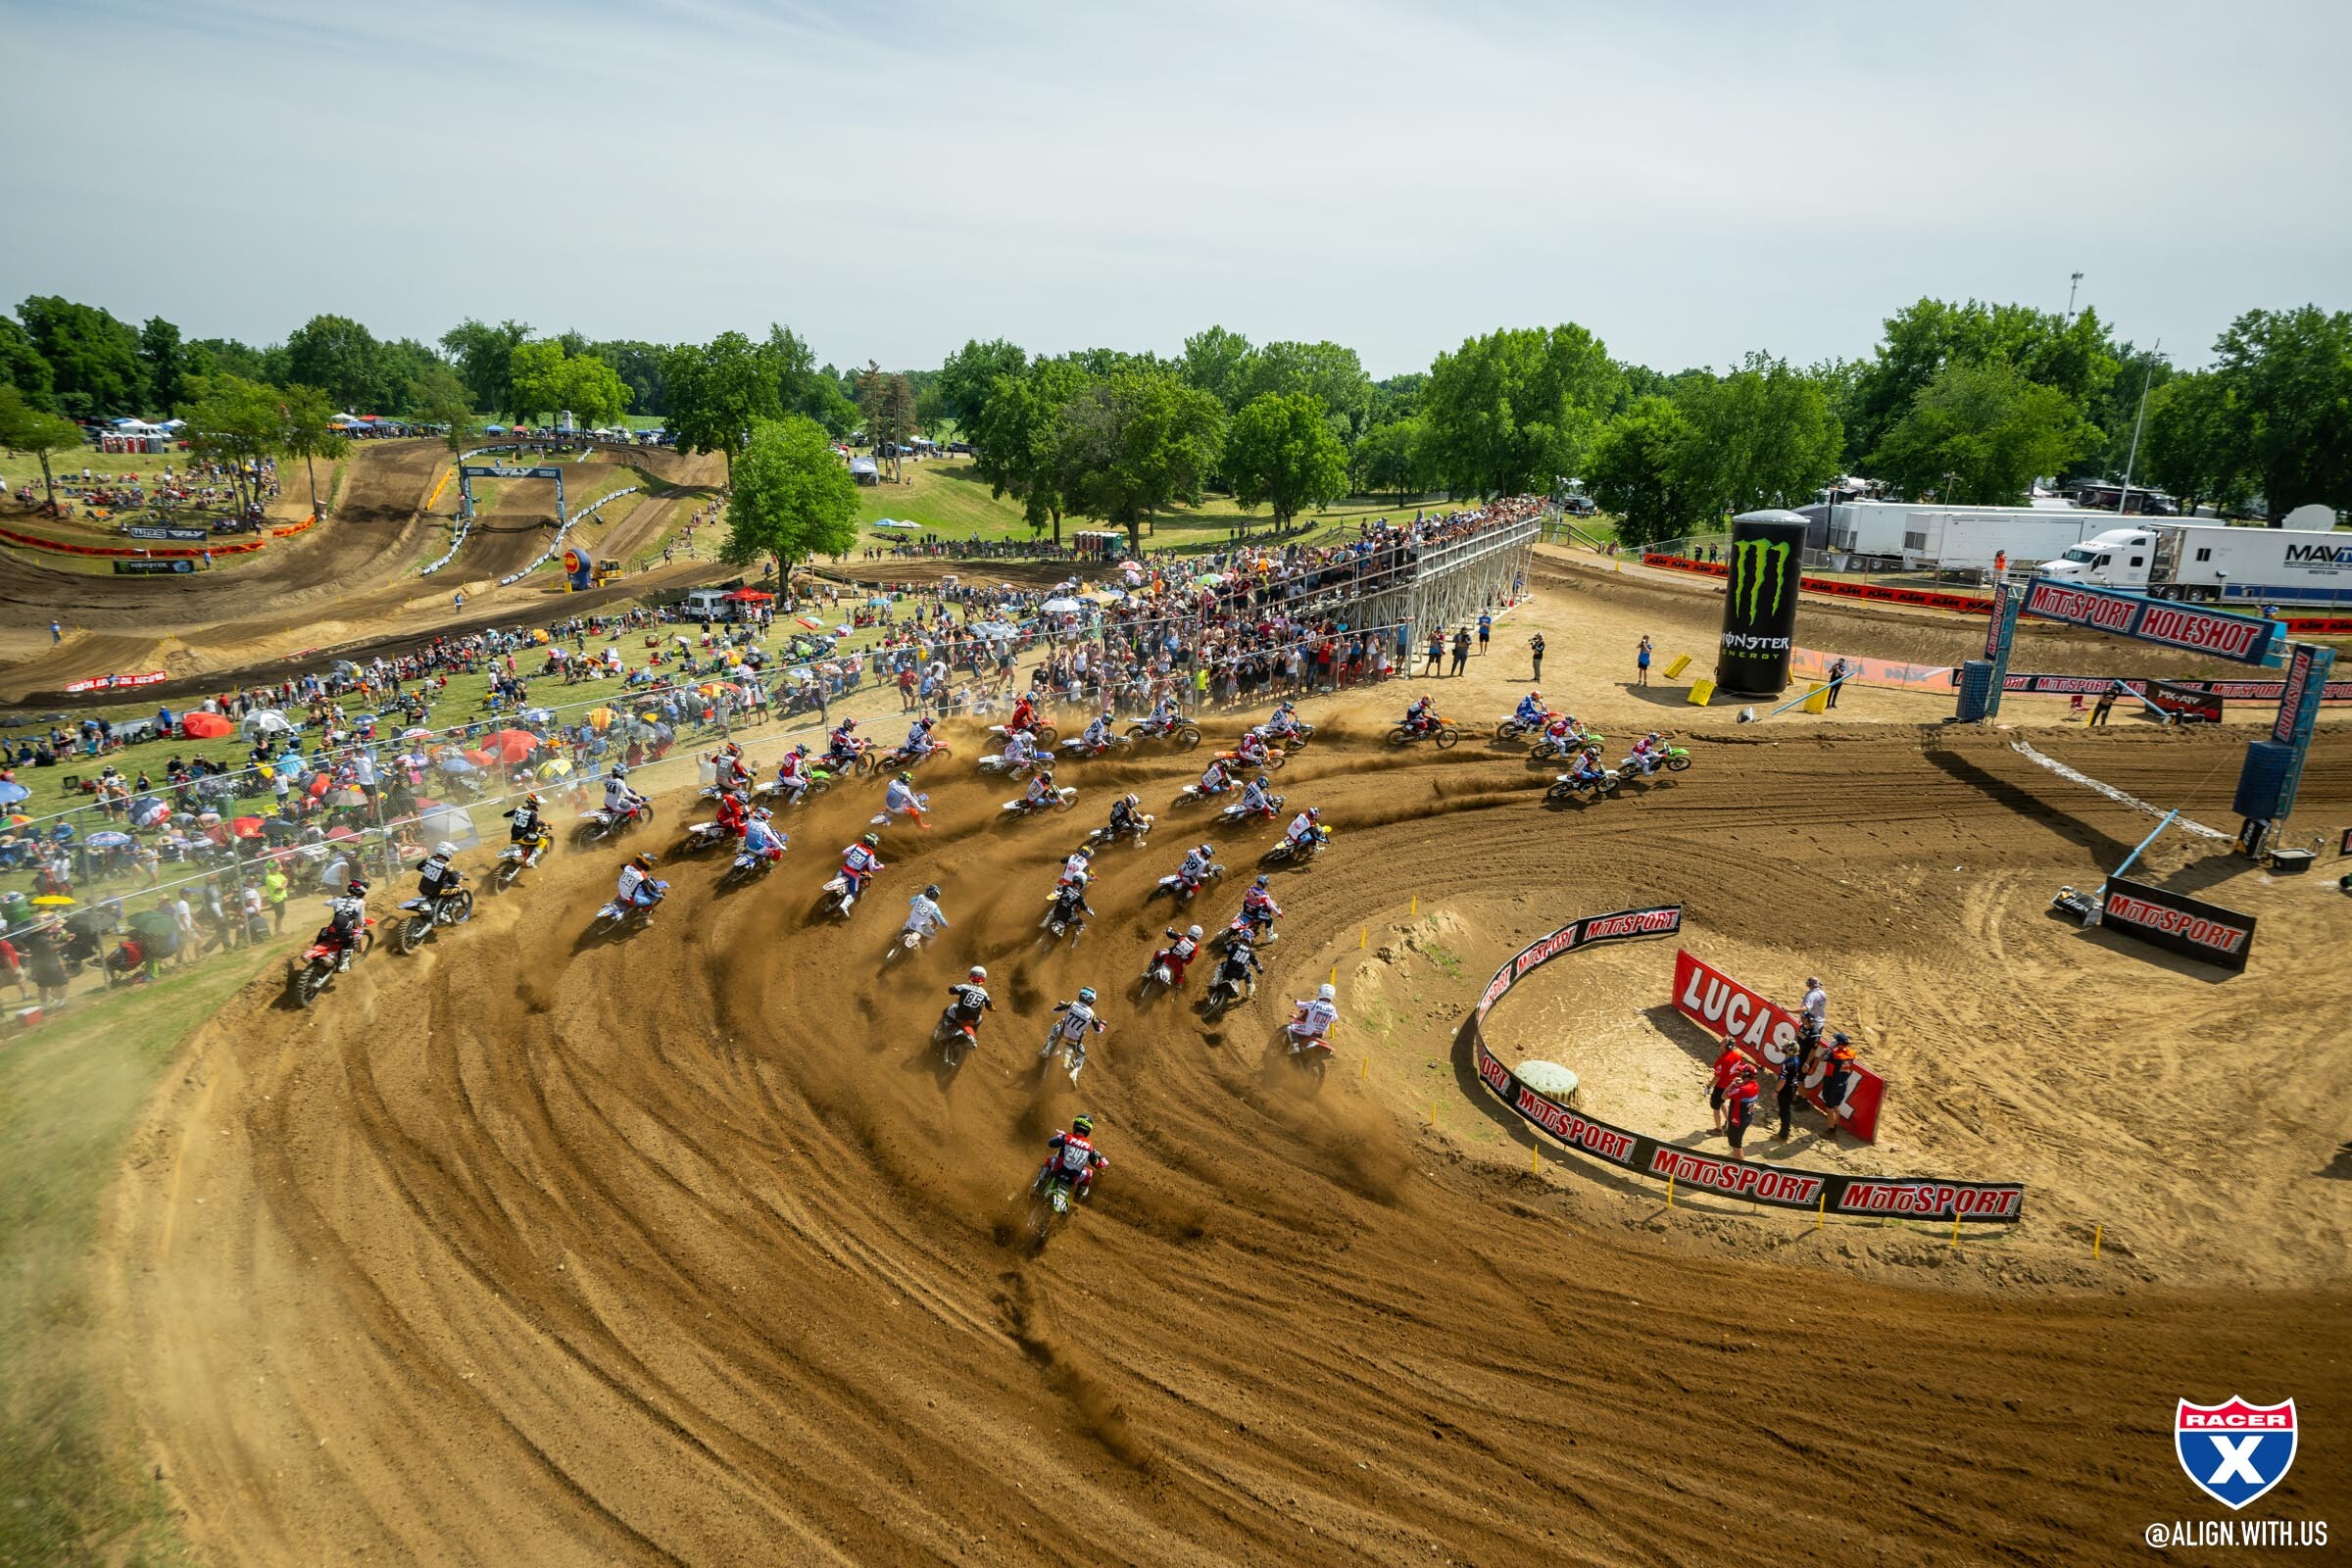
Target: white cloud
1690,180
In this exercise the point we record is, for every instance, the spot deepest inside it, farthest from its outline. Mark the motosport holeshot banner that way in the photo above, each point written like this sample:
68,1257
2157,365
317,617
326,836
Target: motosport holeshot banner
1925,1197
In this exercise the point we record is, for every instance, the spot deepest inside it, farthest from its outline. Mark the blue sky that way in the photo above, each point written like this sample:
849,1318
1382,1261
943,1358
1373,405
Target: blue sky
1689,180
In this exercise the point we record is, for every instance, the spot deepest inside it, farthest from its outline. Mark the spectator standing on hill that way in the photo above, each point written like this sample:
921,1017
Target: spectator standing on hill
1485,629
1837,673
1535,648
1461,651
1791,1079
1642,662
273,893
1437,652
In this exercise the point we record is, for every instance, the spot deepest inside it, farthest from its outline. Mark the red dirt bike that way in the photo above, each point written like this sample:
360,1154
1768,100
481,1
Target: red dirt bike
311,974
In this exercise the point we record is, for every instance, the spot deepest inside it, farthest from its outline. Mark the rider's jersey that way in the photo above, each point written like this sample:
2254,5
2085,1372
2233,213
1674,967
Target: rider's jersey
922,914
345,914
970,1001
790,770
1318,1017
1195,866
1258,901
918,740
1097,733
731,813
1075,868
841,741
1182,947
900,797
525,826
618,797
1214,779
437,876
1239,958
1075,1020
1530,710
1419,709
631,881
1257,798
1024,715
1070,896
859,861
1040,790
1167,712
1302,828
1071,1153
1122,815
1018,748
760,838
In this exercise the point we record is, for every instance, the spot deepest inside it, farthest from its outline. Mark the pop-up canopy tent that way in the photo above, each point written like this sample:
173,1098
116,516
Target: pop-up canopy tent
747,596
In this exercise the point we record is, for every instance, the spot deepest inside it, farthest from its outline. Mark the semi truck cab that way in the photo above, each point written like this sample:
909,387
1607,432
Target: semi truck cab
2120,558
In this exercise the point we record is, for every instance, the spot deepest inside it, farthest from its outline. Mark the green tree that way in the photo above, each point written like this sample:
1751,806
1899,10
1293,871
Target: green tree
594,391
1390,459
639,366
887,403
1510,413
21,366
791,497
484,357
1327,372
1282,451
94,365
439,397
717,391
225,356
970,373
307,435
2073,357
1640,472
1766,436
1134,441
1217,362
537,371
26,429
1979,433
2288,376
1015,439
341,358
2190,446
168,361
236,424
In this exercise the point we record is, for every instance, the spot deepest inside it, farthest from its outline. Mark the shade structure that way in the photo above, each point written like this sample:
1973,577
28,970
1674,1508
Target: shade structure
510,745
205,726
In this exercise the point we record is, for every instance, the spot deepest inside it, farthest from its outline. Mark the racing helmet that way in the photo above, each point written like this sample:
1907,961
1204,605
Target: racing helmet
445,849
847,724
530,800
905,779
620,771
1082,1124
1326,992
1207,850
1133,802
871,841
1314,814
977,974
355,888
733,749
1085,852
1086,994
762,814
931,892
1264,882
642,861
1194,932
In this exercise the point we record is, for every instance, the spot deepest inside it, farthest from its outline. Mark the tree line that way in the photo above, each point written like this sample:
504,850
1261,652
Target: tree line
1963,401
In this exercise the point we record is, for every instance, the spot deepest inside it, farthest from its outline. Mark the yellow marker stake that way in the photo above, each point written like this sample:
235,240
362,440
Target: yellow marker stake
1535,1159
1417,904
2095,1233
1334,974
1363,934
1955,1228
1670,1191
1363,1067
1823,1212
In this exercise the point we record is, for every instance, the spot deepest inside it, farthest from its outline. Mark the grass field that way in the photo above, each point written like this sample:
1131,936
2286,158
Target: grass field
70,1093
948,497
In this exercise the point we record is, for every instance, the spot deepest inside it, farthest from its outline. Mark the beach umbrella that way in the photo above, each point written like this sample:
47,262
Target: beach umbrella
348,796
342,835
208,819
153,925
1060,607
205,726
268,721
11,792
458,765
601,718
539,716
557,768
53,901
154,813
244,827
416,734
109,840
477,757
512,745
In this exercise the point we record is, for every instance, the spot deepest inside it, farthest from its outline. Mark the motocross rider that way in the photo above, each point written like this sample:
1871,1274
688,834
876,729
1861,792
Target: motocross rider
1165,716
760,838
1070,1027
1023,719
731,814
1421,717
792,775
1531,711
859,863
1019,751
1215,780
1197,867
1587,769
923,913
843,745
346,919
620,801
527,827
1285,722
900,800
1125,817
970,1001
1250,749
1259,909
1257,799
732,774
638,889
1650,751
1313,1020
1069,899
1182,949
1073,1154
436,877
1305,829
1096,736
1041,790
1235,967
1074,868
920,743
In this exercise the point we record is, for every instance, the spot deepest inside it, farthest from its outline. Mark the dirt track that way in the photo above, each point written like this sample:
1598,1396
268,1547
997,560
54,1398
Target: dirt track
678,1250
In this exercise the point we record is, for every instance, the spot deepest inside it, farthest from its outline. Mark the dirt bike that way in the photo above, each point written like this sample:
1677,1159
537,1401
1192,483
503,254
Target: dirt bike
599,825
1192,794
425,913
1511,728
1183,734
317,969
748,866
701,836
1291,850
1063,798
1161,971
513,861
1311,1054
1020,769
1295,741
1174,883
1071,924
955,1036
1445,731
1245,927
837,898
904,942
1575,741
1107,834
1230,985
1570,787
1053,1195
1269,758
819,781
1077,749
615,919
1041,734
1669,760
1237,812
900,759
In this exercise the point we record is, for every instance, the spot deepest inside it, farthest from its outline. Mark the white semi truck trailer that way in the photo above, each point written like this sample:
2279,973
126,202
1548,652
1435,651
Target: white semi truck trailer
2215,562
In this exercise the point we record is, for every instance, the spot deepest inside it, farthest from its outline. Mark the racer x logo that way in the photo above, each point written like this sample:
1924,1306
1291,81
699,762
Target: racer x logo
2236,1451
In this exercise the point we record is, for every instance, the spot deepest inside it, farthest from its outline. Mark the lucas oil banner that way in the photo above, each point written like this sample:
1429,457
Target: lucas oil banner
1925,1197
1766,1032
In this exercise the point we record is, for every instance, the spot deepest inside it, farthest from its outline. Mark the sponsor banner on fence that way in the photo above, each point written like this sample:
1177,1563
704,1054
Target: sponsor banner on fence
110,682
1924,1197
157,531
1765,1032
1811,663
2153,620
154,569
33,541
1932,598
2177,923
2241,691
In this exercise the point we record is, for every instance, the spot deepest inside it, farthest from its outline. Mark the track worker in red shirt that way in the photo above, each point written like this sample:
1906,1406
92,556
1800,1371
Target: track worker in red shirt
1740,1106
1725,1065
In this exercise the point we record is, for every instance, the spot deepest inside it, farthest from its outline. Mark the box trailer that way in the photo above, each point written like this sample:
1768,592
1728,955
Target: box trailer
2214,562
1959,538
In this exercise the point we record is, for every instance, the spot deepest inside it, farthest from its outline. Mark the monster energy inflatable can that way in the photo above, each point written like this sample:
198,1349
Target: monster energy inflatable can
1759,609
